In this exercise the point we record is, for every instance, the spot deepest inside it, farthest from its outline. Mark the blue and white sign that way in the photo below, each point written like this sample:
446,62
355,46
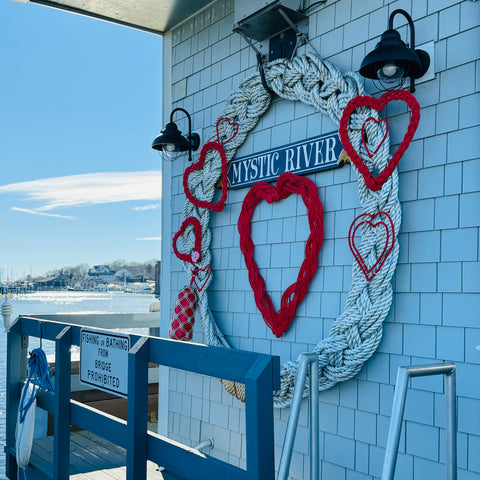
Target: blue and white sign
104,360
310,155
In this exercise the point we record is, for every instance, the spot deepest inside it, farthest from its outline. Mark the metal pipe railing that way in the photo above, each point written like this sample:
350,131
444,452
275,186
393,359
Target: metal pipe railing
314,418
208,443
398,408
308,361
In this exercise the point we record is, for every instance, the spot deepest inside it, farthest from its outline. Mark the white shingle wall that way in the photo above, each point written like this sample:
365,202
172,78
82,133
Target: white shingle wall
435,312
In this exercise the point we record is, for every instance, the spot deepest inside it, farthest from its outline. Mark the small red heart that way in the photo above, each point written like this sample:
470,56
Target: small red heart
375,183
201,284
382,120
389,242
220,205
287,183
196,256
230,123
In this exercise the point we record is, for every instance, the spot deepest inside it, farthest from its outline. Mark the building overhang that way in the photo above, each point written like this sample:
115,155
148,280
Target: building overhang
156,16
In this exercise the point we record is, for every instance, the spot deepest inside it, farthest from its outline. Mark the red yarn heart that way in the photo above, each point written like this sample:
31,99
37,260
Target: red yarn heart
375,183
220,205
230,123
382,120
196,256
287,183
201,283
389,242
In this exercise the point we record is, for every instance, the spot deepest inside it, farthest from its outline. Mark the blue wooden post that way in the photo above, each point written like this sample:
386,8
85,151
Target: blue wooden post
17,350
259,422
61,425
137,410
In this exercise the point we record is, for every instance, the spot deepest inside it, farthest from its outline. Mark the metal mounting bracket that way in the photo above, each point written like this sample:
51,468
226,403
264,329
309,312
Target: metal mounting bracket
281,45
288,46
260,58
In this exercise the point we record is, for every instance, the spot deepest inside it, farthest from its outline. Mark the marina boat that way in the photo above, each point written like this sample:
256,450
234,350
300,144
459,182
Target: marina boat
147,289
319,313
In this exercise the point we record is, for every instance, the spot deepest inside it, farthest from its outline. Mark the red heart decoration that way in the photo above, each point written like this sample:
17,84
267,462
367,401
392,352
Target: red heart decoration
287,183
201,284
382,120
390,240
196,256
230,123
375,183
220,205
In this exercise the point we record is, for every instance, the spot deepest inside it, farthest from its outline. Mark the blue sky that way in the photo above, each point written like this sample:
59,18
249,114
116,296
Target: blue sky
80,103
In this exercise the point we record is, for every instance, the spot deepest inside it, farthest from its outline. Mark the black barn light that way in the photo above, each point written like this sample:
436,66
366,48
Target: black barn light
393,60
171,141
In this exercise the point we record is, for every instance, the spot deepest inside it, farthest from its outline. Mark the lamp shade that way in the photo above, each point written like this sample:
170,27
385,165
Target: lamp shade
171,139
391,50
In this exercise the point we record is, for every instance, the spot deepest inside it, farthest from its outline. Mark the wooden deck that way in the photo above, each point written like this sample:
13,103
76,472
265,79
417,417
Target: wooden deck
92,458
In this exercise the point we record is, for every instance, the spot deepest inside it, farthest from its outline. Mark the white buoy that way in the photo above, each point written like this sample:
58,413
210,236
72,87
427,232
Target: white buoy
24,430
154,307
6,311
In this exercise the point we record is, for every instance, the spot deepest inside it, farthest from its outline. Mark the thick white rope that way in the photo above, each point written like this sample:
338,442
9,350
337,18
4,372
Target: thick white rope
356,333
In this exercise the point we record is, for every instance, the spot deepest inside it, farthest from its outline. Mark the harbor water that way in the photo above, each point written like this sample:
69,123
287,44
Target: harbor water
51,302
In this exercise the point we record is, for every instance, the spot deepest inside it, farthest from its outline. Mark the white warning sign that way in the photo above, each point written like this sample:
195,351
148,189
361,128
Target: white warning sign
104,360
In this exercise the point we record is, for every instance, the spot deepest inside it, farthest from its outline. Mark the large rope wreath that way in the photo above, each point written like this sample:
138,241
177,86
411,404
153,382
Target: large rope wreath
356,333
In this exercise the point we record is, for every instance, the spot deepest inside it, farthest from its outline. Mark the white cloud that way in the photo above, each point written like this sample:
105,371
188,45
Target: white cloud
152,206
35,212
149,238
89,189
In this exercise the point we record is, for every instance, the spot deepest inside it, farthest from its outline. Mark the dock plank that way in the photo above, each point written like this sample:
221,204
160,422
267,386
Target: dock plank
42,452
91,458
90,440
41,463
87,443
114,453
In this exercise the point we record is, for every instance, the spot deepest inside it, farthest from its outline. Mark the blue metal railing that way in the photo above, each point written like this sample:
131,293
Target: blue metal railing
260,373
